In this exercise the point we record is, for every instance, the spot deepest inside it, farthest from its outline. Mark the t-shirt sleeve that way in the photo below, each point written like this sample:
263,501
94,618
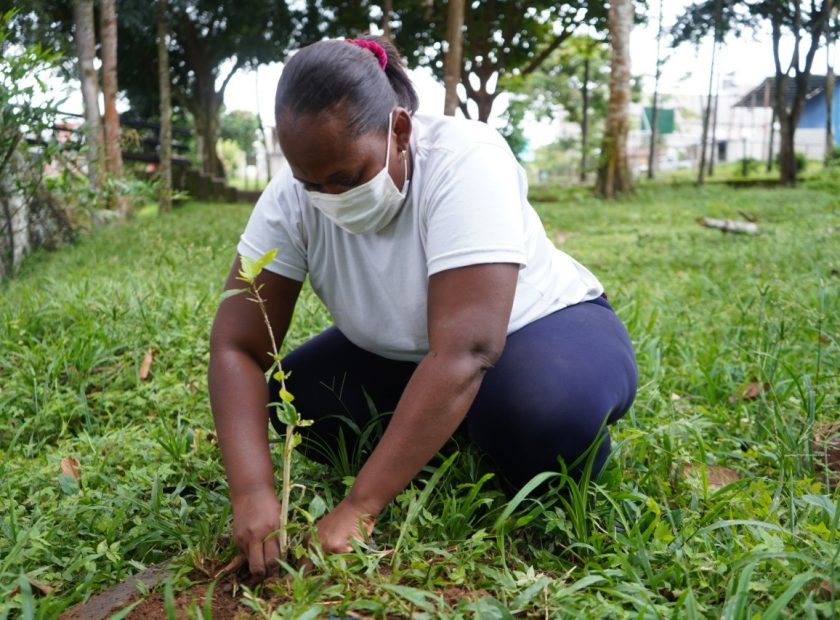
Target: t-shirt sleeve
474,214
276,222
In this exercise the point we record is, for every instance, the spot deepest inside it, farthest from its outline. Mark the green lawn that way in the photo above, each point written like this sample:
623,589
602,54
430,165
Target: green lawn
709,313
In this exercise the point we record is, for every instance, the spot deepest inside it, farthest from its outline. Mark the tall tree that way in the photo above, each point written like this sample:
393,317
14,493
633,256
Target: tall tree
707,111
654,114
165,136
613,171
452,63
387,9
86,52
805,22
829,90
211,41
108,52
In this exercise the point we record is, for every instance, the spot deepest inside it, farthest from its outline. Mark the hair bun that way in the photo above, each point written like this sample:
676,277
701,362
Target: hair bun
373,46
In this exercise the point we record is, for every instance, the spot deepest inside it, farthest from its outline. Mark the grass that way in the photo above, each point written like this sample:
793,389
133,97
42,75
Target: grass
709,313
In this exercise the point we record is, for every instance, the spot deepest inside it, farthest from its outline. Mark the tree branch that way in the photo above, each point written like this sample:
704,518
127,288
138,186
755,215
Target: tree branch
239,62
540,58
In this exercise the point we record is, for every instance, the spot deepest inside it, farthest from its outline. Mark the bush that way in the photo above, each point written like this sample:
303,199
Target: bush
834,157
800,162
747,166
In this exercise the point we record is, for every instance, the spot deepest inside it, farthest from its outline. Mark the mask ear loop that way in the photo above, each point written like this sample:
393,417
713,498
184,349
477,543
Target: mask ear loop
388,148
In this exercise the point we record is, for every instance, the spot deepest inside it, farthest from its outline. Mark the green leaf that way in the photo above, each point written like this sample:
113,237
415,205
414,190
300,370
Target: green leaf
231,292
520,602
263,260
793,589
287,413
286,396
246,271
419,598
317,507
68,484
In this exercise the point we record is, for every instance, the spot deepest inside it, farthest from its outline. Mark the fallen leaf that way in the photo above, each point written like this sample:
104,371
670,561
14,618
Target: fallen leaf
560,238
146,366
827,448
70,465
823,589
40,586
675,397
717,476
750,391
825,339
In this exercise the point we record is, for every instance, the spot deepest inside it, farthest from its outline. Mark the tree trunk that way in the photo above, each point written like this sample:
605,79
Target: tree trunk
263,132
165,139
204,101
787,152
613,172
714,145
584,124
654,115
206,117
86,51
789,116
707,115
772,140
387,10
829,95
452,64
113,154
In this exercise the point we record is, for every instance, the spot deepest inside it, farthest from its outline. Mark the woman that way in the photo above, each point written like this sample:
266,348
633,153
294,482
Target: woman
450,304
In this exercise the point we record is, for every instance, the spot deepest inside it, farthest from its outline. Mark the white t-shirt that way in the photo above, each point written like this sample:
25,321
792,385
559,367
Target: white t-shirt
467,204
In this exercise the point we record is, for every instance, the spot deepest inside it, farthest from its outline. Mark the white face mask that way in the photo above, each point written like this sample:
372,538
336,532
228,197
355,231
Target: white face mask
369,207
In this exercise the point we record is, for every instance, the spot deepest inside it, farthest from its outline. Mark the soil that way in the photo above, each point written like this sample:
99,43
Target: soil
227,601
224,603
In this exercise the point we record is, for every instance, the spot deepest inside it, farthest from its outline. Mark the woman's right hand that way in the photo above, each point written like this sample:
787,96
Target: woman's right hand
256,515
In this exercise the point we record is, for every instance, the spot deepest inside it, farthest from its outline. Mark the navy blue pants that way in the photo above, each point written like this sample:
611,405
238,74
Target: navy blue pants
559,381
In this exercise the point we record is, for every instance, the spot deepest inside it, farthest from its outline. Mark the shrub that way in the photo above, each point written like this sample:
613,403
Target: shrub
747,166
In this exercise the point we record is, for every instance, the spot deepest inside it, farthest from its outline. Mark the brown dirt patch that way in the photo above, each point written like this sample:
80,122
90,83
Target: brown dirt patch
827,451
454,595
716,476
224,604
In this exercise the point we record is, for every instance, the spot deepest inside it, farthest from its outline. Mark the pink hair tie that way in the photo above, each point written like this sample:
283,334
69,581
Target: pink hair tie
373,46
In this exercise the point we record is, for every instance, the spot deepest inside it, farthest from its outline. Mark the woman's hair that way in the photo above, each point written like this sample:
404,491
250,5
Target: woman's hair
337,73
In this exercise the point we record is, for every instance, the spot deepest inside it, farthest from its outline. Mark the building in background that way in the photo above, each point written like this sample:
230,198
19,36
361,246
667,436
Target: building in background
810,130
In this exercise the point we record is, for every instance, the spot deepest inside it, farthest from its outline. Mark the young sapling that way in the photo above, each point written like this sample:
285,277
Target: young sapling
249,270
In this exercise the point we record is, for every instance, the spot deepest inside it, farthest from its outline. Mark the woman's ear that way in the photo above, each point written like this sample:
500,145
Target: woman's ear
402,127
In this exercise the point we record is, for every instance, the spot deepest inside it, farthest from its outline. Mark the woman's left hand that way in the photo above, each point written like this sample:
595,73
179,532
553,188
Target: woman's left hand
344,523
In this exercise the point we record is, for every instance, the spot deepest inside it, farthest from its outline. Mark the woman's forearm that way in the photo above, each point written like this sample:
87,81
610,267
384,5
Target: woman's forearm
432,406
238,397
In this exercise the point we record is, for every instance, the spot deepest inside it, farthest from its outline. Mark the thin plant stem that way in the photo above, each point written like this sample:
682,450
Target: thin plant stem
288,445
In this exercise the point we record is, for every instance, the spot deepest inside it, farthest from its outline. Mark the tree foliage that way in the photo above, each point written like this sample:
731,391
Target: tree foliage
241,127
571,85
500,38
209,43
555,90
